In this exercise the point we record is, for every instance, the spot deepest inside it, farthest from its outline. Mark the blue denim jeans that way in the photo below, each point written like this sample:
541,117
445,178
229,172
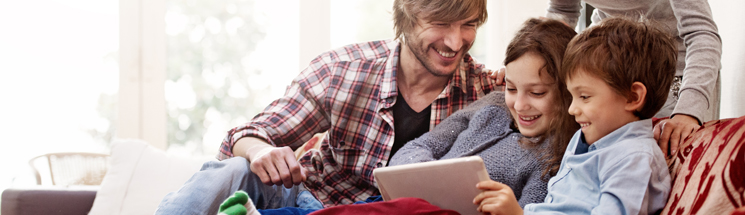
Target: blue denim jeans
217,180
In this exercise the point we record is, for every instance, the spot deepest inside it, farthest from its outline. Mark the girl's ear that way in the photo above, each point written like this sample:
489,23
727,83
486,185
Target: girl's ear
637,97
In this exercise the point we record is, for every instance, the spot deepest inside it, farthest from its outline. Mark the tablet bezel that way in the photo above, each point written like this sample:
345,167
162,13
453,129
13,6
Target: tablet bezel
448,184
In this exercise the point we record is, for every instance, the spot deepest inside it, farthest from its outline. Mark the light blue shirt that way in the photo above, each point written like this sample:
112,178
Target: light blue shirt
623,172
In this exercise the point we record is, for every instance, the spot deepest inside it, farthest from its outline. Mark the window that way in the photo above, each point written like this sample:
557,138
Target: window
226,60
59,80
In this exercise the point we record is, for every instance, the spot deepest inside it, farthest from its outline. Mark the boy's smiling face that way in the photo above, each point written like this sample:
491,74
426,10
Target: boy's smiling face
597,108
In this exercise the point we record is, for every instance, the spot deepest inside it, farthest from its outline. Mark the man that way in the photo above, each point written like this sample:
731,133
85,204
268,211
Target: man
361,95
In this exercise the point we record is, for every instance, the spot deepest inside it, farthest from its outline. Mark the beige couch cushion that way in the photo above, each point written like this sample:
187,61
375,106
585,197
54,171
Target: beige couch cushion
139,176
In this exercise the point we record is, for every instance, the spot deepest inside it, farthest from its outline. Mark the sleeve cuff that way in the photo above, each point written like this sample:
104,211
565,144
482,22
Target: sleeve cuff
692,103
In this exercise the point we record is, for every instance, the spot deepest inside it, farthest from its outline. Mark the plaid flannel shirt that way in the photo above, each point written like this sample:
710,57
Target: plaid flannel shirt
349,92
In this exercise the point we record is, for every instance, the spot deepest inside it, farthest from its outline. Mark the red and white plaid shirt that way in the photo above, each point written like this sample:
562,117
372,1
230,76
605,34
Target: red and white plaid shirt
349,92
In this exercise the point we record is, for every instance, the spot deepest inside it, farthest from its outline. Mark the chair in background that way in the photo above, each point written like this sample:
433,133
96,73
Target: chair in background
72,168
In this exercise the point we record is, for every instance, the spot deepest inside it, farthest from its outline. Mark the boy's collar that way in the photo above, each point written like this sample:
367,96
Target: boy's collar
639,128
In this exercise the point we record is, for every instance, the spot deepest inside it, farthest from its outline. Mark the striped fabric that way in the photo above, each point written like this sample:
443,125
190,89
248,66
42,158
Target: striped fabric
349,92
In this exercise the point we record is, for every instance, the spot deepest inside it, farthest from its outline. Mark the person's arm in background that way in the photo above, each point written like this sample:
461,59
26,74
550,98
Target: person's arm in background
703,55
269,139
564,10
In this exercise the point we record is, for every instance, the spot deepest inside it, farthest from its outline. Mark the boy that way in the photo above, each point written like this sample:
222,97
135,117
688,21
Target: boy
618,73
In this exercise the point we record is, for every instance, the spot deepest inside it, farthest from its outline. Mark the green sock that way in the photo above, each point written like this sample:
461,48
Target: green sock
234,205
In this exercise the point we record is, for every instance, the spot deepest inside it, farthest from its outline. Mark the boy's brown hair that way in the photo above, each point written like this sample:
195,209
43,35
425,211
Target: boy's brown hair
406,12
621,51
548,39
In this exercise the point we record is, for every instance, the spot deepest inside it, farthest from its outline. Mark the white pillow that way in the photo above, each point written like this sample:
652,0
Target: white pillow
138,178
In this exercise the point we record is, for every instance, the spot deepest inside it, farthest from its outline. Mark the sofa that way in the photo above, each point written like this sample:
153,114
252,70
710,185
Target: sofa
708,172
708,175
138,177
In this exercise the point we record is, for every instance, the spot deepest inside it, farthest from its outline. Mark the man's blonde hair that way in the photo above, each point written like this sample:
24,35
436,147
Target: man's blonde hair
406,12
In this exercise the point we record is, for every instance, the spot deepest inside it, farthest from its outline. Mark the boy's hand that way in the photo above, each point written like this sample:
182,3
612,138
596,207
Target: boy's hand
669,133
496,198
497,76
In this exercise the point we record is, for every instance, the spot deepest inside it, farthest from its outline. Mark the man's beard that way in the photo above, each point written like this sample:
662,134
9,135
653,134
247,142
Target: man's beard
421,56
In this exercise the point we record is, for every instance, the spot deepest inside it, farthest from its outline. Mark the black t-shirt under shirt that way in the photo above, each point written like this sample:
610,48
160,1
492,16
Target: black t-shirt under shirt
407,123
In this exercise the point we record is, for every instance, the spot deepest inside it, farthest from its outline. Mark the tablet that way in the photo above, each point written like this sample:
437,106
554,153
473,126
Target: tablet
448,184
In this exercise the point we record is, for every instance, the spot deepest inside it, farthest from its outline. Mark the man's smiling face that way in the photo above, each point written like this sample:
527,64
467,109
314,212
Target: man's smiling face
440,46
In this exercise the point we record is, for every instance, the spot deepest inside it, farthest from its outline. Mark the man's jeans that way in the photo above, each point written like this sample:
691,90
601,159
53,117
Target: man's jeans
218,180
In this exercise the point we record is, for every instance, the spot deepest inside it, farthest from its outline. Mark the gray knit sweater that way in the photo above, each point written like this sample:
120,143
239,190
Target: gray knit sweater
482,128
699,44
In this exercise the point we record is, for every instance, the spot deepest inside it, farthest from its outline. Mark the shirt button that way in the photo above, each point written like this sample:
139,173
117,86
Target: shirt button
549,199
341,143
379,164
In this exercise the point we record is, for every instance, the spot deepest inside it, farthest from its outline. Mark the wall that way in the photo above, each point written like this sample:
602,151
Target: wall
729,15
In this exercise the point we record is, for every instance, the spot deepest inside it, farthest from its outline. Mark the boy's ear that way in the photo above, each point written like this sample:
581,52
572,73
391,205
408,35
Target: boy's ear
637,97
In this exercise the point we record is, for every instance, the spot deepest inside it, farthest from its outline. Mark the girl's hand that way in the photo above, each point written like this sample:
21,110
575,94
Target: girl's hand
496,198
497,76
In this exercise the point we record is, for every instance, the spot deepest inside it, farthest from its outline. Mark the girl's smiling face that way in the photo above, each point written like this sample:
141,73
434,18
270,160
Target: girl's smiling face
529,94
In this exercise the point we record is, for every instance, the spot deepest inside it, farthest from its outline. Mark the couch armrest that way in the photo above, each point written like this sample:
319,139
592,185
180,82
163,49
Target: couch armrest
707,172
46,201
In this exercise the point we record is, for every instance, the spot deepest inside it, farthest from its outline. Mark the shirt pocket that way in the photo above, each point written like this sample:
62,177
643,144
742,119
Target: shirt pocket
349,157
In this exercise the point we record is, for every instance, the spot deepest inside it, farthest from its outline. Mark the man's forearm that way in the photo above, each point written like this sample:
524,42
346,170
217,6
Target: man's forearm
250,147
